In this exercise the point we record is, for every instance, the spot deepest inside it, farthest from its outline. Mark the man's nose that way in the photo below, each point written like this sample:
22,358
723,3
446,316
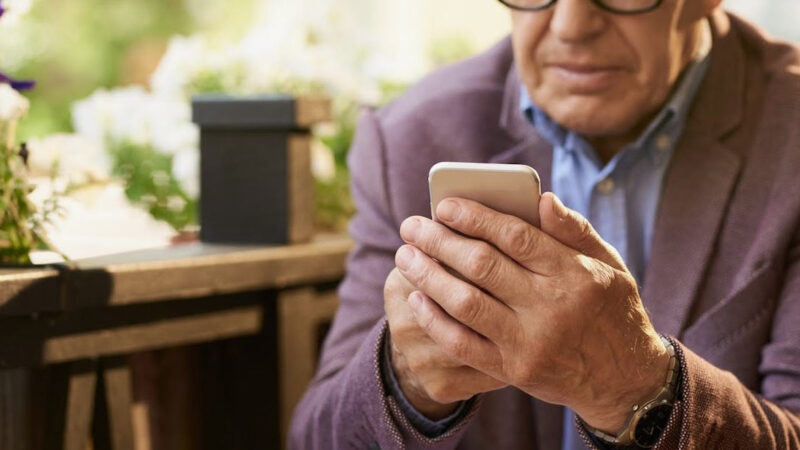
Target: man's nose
576,20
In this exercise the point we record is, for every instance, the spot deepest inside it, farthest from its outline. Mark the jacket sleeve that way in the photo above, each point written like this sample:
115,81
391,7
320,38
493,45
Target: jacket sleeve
718,411
715,410
346,405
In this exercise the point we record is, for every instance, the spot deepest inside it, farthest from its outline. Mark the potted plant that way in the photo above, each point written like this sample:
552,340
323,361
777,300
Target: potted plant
21,225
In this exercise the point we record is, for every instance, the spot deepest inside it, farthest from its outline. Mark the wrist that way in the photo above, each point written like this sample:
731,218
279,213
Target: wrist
648,375
428,407
414,392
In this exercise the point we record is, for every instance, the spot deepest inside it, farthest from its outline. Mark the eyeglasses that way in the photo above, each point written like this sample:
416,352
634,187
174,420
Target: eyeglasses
614,6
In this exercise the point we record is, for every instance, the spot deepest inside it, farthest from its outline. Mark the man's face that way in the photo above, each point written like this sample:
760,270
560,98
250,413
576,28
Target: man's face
599,73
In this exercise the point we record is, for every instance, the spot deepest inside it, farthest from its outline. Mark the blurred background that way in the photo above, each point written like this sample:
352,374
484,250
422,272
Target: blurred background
110,112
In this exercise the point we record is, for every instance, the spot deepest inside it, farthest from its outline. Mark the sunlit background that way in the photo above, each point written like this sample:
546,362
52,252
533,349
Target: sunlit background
73,47
110,110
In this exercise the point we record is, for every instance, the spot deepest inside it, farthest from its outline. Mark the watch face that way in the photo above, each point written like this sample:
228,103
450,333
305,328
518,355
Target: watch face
652,425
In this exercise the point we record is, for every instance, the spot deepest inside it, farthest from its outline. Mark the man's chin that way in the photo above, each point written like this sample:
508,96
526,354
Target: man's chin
596,124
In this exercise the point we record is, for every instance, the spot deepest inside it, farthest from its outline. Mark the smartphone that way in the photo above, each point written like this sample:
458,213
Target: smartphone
512,189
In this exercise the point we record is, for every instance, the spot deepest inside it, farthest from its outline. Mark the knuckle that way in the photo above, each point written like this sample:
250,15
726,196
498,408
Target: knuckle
433,237
584,238
400,328
426,321
473,221
416,365
393,285
596,278
519,238
440,391
482,263
457,346
422,276
467,306
624,283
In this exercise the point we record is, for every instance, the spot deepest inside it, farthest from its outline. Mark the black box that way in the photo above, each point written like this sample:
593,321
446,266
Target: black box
256,185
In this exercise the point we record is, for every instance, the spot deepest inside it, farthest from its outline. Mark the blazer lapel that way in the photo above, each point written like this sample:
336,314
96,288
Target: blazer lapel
697,188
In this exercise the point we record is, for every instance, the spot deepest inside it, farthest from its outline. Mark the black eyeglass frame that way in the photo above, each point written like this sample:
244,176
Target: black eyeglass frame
599,3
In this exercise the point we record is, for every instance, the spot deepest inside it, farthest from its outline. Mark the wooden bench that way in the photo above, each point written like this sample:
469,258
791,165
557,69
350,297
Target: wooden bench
68,333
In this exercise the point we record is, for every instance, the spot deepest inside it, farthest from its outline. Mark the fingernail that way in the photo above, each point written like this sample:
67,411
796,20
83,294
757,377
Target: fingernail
448,210
404,257
414,301
409,230
558,208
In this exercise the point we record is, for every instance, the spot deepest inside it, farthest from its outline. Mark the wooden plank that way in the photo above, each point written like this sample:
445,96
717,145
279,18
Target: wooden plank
27,291
300,189
67,407
80,404
198,269
147,336
15,385
93,333
311,110
301,312
118,394
241,376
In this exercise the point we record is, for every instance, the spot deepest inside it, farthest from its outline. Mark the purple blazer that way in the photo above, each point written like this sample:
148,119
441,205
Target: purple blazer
723,277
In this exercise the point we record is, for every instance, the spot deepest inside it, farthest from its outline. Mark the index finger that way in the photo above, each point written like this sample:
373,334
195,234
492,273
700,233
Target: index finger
529,246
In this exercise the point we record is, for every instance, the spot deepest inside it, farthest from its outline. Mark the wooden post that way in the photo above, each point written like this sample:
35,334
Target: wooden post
14,386
119,394
301,312
70,406
80,403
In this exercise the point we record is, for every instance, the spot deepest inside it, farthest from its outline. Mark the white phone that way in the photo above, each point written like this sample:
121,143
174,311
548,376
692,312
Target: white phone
512,189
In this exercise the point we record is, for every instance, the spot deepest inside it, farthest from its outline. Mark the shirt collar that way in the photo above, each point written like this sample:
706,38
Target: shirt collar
668,121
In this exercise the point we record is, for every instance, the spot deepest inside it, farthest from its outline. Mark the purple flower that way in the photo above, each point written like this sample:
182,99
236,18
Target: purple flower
19,85
2,9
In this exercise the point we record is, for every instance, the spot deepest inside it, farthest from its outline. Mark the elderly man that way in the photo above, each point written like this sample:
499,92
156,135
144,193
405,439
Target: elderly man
659,301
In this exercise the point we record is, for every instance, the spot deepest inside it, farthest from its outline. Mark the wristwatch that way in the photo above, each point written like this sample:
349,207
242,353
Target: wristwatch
648,419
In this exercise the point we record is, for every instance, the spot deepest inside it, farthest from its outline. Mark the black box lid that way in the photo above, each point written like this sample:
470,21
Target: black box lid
269,112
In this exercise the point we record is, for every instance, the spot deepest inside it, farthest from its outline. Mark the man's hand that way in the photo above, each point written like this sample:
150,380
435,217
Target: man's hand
430,379
553,312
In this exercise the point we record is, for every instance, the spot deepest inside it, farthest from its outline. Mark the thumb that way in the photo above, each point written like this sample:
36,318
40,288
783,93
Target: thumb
573,230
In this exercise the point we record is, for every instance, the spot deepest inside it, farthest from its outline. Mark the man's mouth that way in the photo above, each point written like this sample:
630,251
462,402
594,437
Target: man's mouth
585,78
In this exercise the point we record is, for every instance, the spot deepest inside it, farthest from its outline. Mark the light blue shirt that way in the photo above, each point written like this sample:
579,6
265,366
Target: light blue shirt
619,198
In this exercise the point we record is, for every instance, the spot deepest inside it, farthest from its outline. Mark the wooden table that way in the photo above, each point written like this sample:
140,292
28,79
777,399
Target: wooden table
79,321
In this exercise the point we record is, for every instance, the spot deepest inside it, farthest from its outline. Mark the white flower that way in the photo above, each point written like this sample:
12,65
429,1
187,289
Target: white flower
298,40
15,9
119,114
188,58
184,59
77,159
186,169
176,203
169,123
13,106
132,114
100,221
323,166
